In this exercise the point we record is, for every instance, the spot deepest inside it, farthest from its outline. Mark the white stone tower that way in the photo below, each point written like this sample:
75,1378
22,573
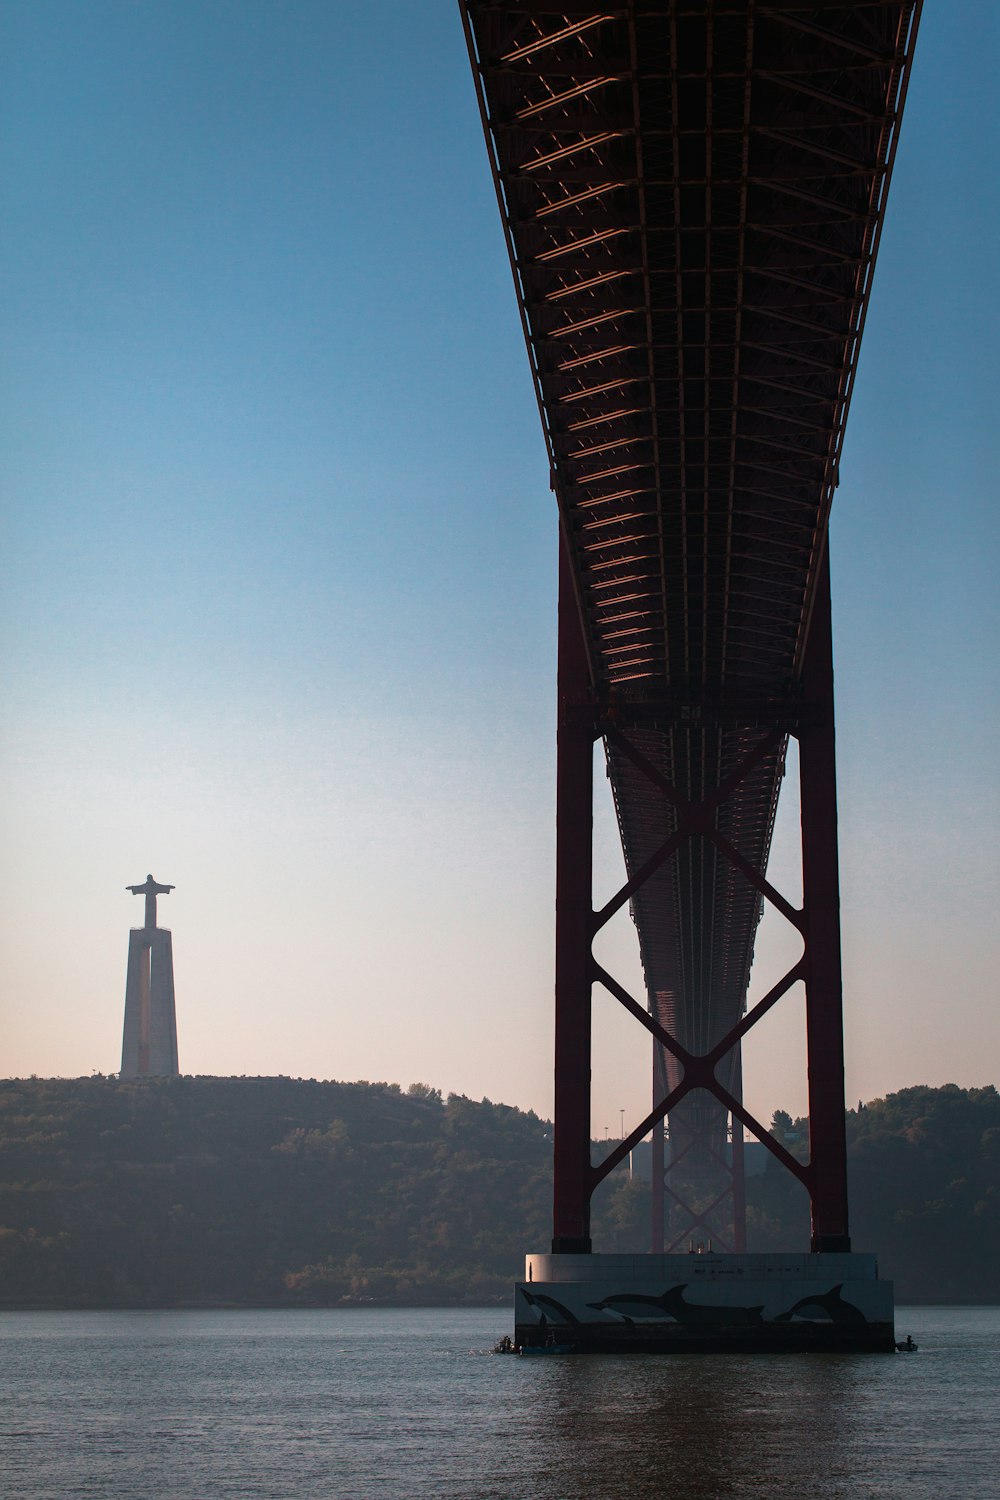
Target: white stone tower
149,1043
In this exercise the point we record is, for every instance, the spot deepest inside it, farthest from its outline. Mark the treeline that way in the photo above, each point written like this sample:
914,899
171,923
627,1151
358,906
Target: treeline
285,1192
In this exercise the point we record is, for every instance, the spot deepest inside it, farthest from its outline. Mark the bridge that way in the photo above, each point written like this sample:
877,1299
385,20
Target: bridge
692,196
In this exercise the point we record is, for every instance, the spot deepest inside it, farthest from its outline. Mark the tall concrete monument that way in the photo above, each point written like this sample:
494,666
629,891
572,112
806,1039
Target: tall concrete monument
149,1043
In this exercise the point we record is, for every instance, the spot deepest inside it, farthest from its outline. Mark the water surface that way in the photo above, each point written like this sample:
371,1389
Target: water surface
357,1405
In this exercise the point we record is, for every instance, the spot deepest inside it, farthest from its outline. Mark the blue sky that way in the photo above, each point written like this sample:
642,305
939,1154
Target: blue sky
279,577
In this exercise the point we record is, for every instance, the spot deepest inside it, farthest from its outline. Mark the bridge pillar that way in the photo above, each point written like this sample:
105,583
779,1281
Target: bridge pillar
821,932
825,1175
658,1158
737,1167
572,1186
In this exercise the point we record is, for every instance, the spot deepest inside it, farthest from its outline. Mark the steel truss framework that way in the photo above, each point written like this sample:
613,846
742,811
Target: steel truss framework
693,195
717,1218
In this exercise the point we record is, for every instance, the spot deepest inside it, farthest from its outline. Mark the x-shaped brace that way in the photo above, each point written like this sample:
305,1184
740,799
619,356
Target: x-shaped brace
699,1070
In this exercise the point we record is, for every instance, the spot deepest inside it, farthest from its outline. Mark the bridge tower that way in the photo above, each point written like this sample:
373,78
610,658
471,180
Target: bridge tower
693,199
149,1040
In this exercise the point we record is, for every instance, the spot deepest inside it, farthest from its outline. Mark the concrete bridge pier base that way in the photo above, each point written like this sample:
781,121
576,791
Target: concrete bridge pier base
665,1304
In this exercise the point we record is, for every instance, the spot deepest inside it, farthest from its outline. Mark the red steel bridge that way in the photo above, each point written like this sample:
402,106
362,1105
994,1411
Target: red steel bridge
692,195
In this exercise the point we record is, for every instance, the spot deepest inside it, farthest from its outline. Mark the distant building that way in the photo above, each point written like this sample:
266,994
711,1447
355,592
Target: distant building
149,1041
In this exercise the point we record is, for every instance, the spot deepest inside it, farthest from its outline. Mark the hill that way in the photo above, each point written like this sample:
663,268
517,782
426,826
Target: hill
277,1191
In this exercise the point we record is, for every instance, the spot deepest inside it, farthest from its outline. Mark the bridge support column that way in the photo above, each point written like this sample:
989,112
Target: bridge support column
574,894
821,932
818,921
737,1167
658,1158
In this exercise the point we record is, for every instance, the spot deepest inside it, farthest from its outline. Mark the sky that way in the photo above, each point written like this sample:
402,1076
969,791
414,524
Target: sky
279,561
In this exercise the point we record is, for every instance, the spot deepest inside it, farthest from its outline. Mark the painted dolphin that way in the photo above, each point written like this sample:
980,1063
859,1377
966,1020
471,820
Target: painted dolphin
631,1305
543,1303
829,1305
671,1304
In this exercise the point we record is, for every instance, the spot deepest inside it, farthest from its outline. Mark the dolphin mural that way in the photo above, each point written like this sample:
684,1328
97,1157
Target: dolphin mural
829,1305
544,1303
671,1304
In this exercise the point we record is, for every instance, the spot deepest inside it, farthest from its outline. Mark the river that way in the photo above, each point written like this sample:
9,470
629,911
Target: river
372,1403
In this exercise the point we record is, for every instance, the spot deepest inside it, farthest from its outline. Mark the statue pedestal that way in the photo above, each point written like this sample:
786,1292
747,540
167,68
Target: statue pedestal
149,1041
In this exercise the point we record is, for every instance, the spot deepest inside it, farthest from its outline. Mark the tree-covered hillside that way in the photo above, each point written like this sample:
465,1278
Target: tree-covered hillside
261,1190
283,1192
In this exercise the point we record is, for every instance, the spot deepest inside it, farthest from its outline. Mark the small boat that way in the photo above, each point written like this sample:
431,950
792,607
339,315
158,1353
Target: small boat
550,1346
907,1346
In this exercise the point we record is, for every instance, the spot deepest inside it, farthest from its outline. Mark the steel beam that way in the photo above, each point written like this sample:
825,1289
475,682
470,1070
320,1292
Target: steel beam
574,895
821,931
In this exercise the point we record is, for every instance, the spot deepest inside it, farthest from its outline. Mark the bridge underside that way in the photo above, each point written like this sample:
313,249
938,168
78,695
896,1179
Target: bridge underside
693,196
